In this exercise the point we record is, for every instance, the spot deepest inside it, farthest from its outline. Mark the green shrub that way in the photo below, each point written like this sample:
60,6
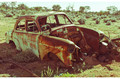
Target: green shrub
113,19
23,12
98,21
17,16
95,18
8,14
5,75
109,16
47,73
71,17
103,16
94,15
105,20
118,18
108,23
77,15
82,21
25,56
88,16
67,75
2,10
28,12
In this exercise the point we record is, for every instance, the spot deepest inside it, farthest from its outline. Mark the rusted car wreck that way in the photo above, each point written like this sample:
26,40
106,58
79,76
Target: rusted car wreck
55,33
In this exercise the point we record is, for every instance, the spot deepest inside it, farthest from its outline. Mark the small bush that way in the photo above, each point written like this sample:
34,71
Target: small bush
82,21
97,21
71,17
88,16
17,16
26,56
103,16
118,17
67,75
105,20
113,19
2,10
94,18
9,14
94,15
23,12
5,75
47,73
29,12
109,16
108,23
77,15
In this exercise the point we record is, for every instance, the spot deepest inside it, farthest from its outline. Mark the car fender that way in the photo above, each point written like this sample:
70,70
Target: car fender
57,46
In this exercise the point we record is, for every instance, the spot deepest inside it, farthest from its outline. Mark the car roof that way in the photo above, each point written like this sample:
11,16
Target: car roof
40,15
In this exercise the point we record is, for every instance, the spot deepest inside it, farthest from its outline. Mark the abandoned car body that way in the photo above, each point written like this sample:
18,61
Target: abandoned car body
55,33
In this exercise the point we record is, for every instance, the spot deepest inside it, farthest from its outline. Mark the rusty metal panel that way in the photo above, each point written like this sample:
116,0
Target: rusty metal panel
26,41
84,38
56,46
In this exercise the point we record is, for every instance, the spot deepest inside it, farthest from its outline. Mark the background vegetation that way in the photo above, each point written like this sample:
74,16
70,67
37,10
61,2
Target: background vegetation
12,9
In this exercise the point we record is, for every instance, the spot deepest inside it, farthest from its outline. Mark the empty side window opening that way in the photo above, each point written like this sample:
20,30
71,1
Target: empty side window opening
21,25
31,26
47,22
63,20
51,20
42,21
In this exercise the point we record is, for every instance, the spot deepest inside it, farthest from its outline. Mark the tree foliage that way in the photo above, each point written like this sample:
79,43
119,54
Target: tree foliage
112,9
13,5
83,9
5,5
70,8
38,8
46,9
87,8
22,6
56,7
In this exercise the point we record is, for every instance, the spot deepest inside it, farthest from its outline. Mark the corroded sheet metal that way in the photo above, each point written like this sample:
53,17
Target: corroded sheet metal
86,39
24,41
57,46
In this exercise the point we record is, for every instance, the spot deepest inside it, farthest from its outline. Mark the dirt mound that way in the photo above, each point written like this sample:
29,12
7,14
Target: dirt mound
47,67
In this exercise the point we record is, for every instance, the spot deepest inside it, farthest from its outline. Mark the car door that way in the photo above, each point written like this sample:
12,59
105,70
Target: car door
19,35
32,36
